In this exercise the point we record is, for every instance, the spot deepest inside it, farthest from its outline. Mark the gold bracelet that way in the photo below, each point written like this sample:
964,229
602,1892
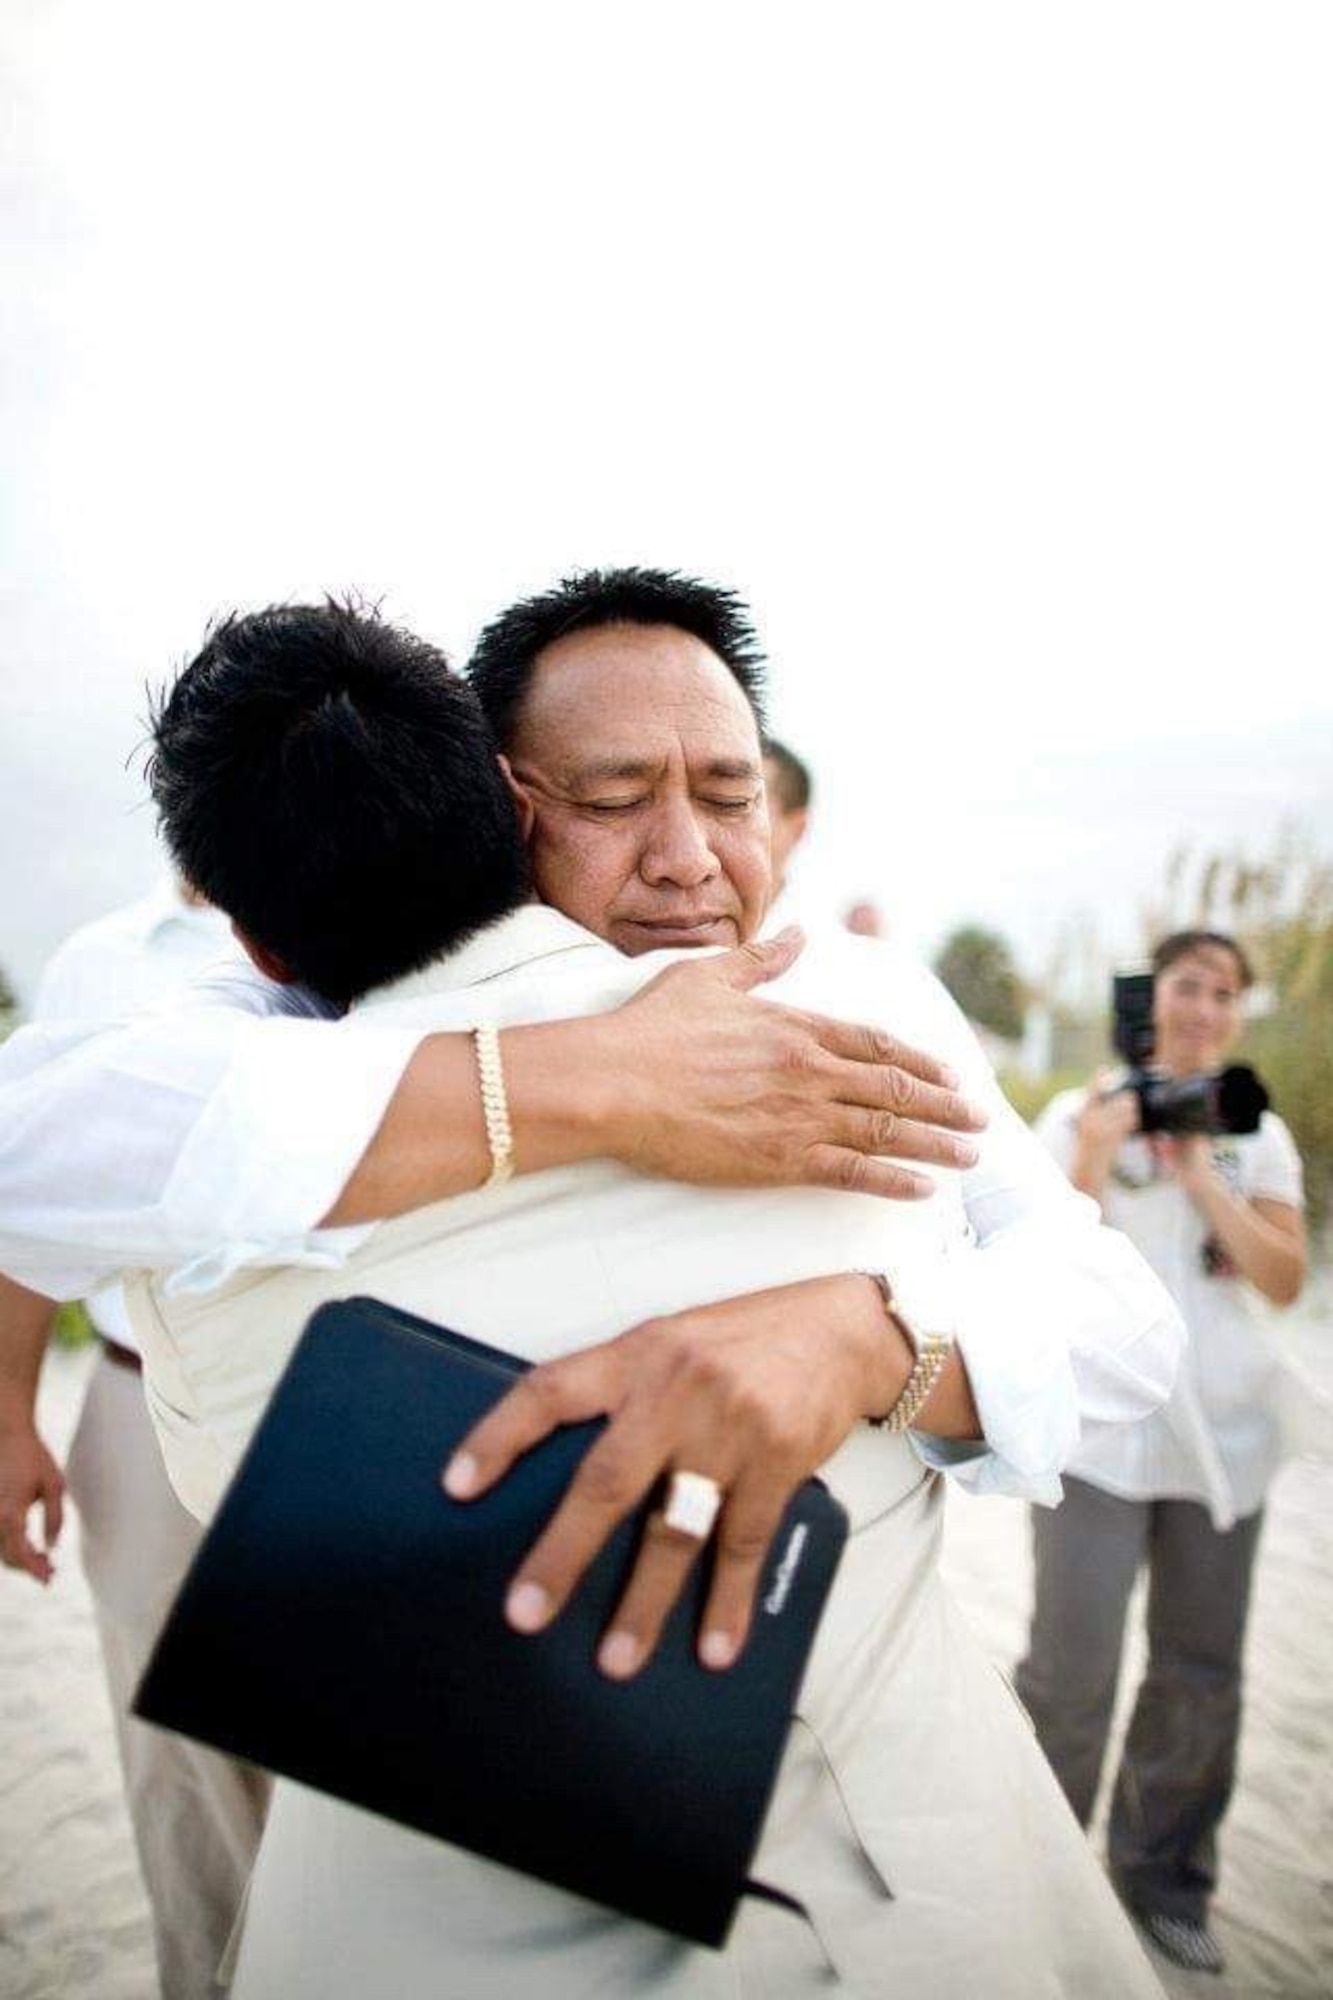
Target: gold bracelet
932,1350
494,1106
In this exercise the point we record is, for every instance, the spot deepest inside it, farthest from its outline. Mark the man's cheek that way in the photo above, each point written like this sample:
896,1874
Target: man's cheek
574,868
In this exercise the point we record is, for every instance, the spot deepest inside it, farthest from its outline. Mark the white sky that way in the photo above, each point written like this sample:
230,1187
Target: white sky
986,349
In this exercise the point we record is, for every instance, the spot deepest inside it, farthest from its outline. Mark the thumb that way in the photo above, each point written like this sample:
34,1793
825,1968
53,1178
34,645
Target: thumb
751,964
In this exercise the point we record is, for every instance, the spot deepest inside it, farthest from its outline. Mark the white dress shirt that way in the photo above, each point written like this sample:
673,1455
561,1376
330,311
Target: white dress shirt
120,965
130,959
209,1140
1219,1438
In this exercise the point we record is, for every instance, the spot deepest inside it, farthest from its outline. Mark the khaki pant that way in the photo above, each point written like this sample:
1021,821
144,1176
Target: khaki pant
197,1816
1179,1762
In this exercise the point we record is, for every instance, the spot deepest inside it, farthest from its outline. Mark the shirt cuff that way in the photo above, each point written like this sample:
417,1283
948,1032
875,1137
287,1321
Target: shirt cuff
1022,1378
971,1464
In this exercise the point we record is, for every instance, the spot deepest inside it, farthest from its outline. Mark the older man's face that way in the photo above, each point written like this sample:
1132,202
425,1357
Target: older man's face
641,759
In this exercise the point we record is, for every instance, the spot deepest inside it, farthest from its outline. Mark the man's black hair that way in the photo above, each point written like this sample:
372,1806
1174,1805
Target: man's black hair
502,663
794,785
323,778
1185,944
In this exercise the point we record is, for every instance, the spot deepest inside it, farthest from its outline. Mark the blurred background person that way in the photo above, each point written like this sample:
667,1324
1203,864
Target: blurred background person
790,790
788,785
863,919
1219,1220
196,1816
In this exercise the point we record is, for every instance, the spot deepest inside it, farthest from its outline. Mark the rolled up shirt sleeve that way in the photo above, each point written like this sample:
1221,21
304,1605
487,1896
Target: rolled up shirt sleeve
1061,1322
135,1146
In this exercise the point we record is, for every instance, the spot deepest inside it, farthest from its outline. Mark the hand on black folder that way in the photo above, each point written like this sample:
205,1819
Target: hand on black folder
679,1395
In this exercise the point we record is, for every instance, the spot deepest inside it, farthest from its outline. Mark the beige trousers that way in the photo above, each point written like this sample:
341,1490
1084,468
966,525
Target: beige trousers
197,1816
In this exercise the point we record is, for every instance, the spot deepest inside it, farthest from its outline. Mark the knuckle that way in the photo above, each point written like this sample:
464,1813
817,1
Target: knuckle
671,1340
903,1092
799,1057
604,1482
850,1173
760,1425
885,1131
745,1541
702,1368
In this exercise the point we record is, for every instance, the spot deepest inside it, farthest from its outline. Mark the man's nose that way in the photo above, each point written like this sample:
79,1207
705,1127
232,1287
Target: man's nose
677,850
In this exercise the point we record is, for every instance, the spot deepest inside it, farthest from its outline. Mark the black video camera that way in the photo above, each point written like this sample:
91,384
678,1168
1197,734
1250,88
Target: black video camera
1229,1101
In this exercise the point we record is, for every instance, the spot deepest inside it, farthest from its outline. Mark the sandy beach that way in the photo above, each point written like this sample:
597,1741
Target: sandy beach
73,1924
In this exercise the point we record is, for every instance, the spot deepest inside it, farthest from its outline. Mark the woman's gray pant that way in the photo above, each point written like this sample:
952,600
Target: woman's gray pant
1179,1761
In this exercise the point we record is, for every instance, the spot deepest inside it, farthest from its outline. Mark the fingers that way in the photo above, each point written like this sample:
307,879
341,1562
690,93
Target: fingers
761,959
859,1173
746,1526
855,1043
568,1391
745,1533
665,1560
17,1552
53,1511
885,1133
617,1473
894,1089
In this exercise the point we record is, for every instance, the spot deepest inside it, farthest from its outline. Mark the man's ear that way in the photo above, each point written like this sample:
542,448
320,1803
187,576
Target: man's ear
523,805
269,963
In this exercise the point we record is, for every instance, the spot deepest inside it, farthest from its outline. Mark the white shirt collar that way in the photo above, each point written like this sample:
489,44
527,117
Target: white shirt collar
163,905
525,935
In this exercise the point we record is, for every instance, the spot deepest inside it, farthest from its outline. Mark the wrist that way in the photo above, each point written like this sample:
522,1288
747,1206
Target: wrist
18,1417
887,1353
563,1083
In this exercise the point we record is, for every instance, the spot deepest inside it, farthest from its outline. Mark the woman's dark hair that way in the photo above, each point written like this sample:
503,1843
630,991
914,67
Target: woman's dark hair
502,662
1184,944
323,778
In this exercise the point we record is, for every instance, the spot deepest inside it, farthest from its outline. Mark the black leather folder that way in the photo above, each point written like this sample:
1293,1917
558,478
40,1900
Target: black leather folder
343,1624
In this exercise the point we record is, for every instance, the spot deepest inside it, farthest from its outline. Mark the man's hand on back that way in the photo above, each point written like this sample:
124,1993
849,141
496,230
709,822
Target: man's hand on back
705,1083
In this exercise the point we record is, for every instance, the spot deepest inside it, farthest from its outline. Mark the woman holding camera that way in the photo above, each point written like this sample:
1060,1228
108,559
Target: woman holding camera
1183,1491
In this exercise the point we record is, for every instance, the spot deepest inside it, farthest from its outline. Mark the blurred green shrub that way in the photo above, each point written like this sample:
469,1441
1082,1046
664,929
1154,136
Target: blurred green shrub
978,968
1030,1095
72,1328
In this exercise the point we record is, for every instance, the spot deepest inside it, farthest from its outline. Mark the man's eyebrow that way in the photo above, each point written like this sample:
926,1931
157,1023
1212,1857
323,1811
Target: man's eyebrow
733,767
613,767
602,769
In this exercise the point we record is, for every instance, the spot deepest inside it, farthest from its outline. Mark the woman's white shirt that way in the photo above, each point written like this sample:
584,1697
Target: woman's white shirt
1219,1438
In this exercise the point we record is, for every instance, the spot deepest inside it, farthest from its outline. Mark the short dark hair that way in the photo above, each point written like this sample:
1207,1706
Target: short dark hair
794,787
1184,944
325,779
503,659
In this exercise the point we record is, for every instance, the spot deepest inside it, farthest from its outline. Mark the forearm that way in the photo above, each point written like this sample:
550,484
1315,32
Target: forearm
431,1142
25,1328
1272,1259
